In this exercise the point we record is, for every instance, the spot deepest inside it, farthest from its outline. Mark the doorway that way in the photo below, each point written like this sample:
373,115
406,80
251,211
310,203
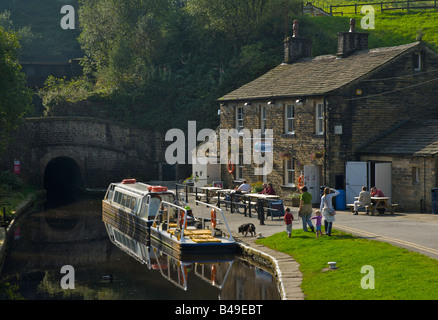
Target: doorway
369,174
312,174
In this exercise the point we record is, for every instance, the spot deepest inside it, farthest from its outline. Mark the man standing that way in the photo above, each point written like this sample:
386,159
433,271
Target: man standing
305,209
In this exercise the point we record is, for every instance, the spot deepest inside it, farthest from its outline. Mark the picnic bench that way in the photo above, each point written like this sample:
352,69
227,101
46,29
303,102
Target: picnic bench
381,204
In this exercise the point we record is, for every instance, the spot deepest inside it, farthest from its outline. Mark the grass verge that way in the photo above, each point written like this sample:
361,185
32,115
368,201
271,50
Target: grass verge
399,274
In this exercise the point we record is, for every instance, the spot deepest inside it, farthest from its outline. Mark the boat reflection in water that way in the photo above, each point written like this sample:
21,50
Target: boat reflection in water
174,268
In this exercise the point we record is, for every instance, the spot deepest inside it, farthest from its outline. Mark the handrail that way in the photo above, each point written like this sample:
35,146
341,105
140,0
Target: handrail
223,216
179,217
201,276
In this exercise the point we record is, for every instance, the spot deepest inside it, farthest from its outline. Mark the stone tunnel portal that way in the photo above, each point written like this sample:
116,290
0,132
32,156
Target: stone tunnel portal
62,180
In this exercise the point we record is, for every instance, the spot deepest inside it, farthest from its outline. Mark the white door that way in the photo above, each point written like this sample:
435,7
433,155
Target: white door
383,178
311,181
356,176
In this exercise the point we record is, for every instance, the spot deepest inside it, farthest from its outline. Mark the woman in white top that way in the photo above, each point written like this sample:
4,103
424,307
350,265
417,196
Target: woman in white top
326,207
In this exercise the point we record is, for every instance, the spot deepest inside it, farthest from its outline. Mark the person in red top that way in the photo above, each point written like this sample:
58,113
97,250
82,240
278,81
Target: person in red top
376,192
288,218
268,189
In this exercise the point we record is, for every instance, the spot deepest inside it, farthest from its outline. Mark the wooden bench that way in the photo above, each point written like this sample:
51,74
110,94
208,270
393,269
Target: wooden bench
368,208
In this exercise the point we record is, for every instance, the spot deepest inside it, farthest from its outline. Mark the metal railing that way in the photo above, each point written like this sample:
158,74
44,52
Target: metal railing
384,6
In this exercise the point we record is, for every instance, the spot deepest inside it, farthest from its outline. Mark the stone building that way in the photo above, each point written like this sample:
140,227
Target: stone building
344,120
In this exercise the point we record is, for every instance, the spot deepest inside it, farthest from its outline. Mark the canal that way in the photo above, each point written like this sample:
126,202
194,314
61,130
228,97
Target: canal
100,267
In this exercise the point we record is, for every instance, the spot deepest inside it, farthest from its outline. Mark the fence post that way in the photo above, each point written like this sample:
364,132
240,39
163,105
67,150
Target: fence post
407,5
381,6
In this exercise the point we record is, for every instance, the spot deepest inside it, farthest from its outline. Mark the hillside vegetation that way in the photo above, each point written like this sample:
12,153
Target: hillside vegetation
146,59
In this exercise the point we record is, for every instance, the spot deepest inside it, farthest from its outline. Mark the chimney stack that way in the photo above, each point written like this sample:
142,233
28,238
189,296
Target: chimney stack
296,47
351,41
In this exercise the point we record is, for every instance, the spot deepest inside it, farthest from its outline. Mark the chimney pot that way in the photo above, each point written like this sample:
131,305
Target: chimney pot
351,41
295,29
352,25
296,47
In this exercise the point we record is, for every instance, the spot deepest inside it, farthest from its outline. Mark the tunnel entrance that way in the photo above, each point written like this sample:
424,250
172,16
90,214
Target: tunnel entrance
62,180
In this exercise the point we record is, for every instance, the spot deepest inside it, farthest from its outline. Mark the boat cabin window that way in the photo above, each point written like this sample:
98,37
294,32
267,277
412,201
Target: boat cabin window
154,204
125,200
110,192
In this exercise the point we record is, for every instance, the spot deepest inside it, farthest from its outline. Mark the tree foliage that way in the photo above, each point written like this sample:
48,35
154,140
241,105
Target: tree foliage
15,97
155,58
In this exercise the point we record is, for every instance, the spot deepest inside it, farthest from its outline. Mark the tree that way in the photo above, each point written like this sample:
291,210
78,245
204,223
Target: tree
15,96
24,35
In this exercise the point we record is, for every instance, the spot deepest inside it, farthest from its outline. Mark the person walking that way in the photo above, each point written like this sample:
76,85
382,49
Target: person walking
327,210
318,218
288,218
305,208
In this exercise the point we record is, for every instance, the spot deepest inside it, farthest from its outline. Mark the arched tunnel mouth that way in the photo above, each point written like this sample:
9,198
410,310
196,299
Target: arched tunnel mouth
62,180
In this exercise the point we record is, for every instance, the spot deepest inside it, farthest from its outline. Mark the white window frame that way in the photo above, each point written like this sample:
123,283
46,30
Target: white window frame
289,169
415,175
263,119
319,119
289,117
239,168
418,66
239,118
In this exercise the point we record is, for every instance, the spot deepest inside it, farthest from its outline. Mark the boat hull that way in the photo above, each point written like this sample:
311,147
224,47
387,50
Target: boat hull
135,227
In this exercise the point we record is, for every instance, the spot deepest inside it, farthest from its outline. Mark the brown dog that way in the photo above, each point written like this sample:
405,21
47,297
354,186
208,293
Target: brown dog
248,227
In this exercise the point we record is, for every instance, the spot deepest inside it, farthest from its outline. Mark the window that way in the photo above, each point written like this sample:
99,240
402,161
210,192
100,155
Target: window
263,119
319,118
289,119
239,118
417,61
239,168
415,175
289,171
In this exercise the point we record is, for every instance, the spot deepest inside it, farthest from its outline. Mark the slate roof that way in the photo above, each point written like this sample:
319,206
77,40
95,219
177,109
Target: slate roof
315,76
415,137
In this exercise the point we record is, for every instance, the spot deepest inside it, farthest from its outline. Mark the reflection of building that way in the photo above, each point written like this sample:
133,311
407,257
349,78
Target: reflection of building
328,111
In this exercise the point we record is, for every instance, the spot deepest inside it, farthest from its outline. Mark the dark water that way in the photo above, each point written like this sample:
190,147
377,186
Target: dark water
74,235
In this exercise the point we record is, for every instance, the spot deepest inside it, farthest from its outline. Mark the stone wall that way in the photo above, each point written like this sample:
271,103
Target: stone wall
104,151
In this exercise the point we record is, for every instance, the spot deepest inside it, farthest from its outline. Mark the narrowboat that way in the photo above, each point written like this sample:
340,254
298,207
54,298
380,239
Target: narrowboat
131,206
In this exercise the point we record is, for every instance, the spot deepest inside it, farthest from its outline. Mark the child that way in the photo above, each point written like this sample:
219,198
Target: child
288,218
318,219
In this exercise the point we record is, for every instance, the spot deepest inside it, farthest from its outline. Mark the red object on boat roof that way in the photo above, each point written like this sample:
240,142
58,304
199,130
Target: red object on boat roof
129,181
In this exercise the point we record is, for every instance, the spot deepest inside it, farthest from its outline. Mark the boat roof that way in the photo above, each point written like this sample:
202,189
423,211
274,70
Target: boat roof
142,188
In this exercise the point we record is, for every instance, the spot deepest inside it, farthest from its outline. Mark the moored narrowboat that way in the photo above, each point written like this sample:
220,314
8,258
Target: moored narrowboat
131,206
